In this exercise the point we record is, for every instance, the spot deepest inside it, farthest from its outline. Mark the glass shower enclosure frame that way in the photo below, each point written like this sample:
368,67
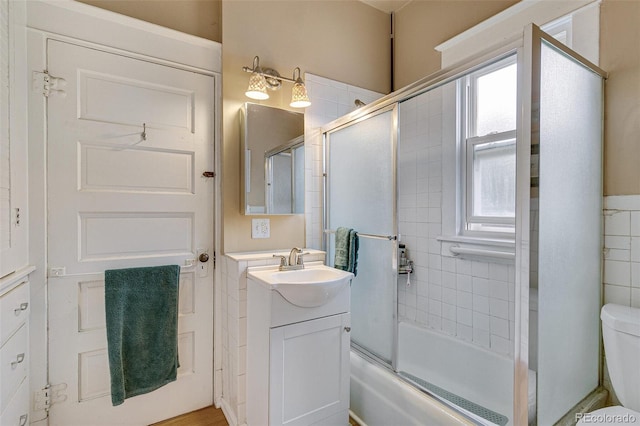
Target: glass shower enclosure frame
368,206
563,127
534,142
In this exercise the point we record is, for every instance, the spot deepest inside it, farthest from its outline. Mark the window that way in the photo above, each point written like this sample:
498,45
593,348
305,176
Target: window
488,149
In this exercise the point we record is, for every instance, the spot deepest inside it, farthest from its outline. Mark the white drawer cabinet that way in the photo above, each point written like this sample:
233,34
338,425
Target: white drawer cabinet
297,360
14,310
14,355
17,412
13,365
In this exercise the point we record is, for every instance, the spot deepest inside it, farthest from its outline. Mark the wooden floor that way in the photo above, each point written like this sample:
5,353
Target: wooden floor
210,416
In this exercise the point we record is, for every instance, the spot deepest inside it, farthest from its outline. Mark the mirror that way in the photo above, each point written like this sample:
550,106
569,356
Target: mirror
272,160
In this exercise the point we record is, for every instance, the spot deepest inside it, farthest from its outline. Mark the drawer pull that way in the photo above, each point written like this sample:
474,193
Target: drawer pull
18,360
23,307
23,420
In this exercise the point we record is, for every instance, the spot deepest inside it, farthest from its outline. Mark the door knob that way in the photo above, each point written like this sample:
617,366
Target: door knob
204,257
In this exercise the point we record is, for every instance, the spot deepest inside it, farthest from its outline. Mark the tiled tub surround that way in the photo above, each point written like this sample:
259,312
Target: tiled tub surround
331,100
233,285
622,250
621,258
469,299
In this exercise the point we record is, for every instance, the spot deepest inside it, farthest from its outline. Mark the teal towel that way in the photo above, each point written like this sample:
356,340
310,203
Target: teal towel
346,256
141,307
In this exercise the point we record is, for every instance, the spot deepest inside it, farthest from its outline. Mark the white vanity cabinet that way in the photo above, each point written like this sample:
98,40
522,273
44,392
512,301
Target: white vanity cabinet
297,359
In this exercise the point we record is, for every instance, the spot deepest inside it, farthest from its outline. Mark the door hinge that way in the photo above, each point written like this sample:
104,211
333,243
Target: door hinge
57,271
49,395
48,85
213,258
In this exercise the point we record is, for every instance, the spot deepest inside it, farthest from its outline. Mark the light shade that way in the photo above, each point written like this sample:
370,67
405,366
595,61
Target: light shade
257,87
299,97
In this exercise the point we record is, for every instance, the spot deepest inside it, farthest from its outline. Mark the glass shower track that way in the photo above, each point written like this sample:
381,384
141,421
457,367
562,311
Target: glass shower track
451,399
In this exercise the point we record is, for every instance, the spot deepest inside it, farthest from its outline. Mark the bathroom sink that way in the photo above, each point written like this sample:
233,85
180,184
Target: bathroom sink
307,288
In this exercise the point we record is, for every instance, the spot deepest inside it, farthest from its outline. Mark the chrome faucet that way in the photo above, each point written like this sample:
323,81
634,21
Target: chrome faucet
294,261
295,257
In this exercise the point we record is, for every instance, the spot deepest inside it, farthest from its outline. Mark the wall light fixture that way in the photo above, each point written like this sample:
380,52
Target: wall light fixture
267,78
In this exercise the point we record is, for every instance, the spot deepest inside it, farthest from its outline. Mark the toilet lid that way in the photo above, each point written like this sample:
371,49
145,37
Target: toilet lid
617,415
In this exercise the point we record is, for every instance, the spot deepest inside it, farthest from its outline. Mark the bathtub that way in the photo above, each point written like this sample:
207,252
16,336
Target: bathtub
380,398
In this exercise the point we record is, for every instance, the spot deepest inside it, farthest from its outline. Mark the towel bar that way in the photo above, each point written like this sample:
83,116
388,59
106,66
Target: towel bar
362,234
456,250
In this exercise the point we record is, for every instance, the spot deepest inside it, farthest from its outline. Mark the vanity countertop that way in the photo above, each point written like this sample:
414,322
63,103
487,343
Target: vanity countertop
312,255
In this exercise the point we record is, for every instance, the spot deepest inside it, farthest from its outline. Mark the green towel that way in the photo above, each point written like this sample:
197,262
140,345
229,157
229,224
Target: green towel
141,307
346,256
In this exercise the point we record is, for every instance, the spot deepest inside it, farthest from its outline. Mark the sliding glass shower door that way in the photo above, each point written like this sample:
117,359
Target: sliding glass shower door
360,194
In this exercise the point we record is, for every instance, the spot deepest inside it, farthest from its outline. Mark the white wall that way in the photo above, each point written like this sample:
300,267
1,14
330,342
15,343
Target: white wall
622,250
621,282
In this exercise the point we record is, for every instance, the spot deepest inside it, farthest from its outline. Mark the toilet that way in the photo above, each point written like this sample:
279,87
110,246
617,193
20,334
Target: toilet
621,335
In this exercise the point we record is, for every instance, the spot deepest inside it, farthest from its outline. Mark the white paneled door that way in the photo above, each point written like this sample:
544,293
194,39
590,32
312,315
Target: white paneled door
128,142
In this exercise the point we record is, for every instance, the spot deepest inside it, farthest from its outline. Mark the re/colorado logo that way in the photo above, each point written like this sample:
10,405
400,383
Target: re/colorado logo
606,418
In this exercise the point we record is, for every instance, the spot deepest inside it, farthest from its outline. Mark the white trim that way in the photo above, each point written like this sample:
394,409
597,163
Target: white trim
471,224
229,414
526,9
217,238
486,249
7,283
88,23
622,202
506,24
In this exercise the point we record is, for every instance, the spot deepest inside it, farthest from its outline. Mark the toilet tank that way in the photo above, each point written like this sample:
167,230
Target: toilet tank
621,335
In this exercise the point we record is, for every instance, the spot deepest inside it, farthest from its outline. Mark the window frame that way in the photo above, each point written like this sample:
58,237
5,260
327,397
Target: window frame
469,224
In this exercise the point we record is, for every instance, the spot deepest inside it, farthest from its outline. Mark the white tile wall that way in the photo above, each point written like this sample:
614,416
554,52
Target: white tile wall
330,100
621,258
471,300
622,250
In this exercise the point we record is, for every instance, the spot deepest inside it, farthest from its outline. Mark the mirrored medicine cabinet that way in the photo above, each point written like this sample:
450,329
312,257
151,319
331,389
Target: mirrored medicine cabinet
272,160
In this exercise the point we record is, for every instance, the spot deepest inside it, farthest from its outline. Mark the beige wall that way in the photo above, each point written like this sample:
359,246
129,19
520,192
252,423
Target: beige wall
424,24
346,41
197,17
620,56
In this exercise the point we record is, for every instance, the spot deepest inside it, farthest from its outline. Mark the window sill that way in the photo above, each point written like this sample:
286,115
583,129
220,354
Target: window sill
475,248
